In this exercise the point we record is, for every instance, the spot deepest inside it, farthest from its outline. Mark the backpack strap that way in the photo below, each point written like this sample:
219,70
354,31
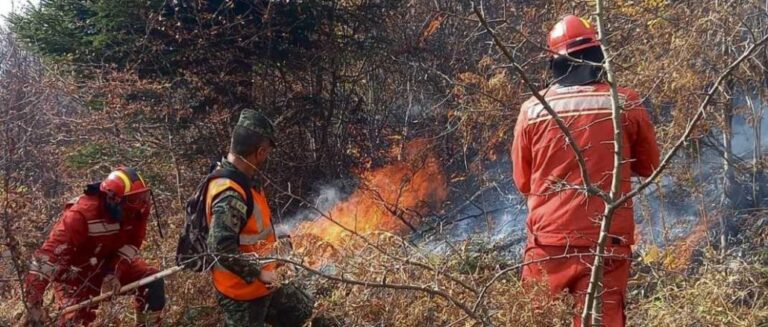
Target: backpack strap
241,180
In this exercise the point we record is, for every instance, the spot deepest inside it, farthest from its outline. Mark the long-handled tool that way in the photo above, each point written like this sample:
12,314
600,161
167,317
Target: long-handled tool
126,288
131,286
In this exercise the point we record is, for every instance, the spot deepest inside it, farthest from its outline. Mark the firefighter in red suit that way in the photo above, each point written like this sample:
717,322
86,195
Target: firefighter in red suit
564,220
93,249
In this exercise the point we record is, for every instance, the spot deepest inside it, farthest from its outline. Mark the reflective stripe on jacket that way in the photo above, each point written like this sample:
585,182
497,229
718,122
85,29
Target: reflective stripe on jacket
546,171
84,244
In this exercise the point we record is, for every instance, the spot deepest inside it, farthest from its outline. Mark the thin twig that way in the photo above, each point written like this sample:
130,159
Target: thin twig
506,270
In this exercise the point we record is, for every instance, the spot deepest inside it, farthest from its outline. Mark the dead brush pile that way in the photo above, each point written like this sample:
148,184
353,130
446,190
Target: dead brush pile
382,280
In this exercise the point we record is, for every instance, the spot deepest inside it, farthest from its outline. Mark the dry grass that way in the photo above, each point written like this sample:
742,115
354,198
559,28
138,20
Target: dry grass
729,293
506,302
722,292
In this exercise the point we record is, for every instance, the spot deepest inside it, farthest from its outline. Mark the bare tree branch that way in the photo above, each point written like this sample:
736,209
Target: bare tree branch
692,124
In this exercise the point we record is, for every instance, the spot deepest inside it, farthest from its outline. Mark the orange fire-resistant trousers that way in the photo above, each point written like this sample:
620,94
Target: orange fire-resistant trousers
571,274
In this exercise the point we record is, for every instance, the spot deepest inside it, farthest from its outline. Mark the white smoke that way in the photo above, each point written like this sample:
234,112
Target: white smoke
327,197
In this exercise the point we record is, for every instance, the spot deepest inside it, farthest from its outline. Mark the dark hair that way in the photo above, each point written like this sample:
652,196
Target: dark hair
246,142
562,65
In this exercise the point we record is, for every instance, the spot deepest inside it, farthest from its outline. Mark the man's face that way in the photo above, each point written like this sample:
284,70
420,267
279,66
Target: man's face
131,206
137,205
259,158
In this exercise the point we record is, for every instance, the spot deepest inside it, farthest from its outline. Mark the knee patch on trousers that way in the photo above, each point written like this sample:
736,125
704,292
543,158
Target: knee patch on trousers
155,299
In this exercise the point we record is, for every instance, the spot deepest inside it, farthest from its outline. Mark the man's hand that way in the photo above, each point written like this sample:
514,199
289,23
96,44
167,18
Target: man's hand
110,283
268,277
34,316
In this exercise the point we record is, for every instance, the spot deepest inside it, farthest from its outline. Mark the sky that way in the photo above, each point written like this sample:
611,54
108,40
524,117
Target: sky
6,6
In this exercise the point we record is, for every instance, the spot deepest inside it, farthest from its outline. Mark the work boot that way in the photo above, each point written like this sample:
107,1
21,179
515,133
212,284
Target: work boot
149,319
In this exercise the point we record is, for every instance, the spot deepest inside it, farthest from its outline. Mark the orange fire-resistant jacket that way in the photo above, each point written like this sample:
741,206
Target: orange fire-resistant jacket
545,168
84,244
258,236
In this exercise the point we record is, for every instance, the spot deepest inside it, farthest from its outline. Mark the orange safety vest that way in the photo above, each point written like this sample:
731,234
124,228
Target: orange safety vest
258,236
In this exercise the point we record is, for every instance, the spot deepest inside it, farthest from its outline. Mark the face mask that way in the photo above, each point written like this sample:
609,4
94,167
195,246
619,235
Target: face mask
119,210
247,162
115,211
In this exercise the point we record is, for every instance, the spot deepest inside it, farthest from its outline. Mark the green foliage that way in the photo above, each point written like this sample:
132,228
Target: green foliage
88,155
94,104
84,32
93,154
157,37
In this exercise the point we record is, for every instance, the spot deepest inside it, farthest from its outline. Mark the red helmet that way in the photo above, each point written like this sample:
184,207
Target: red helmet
125,184
572,34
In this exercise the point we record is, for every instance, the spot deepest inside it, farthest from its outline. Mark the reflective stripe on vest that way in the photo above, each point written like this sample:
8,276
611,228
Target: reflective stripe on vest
253,239
257,236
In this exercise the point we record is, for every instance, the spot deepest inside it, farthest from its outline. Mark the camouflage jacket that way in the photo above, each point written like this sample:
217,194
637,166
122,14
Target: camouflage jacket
228,211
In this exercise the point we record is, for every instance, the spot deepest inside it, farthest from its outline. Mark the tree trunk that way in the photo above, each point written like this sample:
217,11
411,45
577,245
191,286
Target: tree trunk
729,176
757,169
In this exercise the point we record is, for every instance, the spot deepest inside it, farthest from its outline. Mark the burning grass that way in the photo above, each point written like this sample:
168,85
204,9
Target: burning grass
393,198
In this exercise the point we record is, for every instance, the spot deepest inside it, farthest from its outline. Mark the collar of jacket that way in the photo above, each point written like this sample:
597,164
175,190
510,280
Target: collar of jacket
226,164
580,75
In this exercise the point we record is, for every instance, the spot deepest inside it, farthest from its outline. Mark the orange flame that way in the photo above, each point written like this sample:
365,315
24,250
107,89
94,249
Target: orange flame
393,198
680,253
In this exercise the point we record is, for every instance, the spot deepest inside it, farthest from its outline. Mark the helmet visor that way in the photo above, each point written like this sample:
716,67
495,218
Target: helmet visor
138,199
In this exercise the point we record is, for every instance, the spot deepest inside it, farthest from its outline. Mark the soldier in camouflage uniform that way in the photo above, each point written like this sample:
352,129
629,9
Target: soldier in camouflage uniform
245,290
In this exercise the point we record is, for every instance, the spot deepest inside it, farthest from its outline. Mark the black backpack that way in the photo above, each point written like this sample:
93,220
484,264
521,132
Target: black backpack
192,250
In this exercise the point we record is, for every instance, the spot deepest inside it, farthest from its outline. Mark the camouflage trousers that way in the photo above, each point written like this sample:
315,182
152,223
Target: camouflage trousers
288,306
